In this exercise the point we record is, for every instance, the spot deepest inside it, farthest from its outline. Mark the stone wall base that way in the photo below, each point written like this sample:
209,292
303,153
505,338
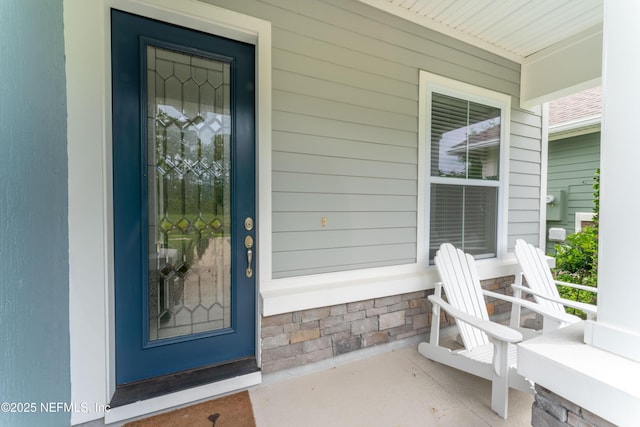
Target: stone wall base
551,410
302,337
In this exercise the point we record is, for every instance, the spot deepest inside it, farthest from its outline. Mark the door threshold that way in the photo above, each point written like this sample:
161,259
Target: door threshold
158,394
159,386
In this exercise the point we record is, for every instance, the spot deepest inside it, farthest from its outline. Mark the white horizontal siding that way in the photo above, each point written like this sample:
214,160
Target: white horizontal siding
524,154
321,145
345,132
343,93
329,202
524,178
342,259
330,165
338,110
295,59
524,167
417,38
524,192
339,266
319,126
340,184
523,204
525,130
306,221
310,240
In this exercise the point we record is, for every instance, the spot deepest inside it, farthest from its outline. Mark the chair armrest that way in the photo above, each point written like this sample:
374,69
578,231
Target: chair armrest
587,308
576,286
495,330
535,307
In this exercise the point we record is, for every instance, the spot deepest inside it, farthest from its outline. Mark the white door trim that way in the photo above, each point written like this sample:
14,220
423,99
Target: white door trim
88,65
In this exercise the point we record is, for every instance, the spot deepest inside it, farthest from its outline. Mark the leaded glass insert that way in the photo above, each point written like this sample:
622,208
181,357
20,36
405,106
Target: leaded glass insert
188,170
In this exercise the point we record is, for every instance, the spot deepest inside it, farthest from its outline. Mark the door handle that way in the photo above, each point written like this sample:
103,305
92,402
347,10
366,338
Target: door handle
248,244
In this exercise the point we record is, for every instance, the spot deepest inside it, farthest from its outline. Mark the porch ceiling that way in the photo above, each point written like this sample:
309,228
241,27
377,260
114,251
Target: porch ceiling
514,29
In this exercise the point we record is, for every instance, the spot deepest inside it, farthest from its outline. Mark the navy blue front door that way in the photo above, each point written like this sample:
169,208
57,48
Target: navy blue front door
183,198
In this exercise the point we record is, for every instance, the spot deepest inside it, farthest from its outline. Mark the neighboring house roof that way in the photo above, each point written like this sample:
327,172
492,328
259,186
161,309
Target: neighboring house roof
487,138
575,114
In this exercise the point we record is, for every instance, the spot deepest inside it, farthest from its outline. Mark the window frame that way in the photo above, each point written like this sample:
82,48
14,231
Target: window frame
430,83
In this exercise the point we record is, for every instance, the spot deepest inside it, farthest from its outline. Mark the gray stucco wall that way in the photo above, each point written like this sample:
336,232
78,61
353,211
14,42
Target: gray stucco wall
34,278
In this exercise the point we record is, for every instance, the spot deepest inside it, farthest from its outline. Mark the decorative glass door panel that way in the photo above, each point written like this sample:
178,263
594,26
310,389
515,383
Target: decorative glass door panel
188,172
183,185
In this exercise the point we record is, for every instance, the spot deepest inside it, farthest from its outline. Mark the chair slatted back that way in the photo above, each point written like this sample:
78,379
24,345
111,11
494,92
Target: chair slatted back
538,274
462,287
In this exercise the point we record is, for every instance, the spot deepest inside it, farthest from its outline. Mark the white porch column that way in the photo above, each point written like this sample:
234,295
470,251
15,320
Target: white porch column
617,329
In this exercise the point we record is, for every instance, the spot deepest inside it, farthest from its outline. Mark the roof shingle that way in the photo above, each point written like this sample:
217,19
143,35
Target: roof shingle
574,107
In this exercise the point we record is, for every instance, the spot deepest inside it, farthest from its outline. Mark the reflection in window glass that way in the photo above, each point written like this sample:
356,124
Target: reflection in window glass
465,165
465,139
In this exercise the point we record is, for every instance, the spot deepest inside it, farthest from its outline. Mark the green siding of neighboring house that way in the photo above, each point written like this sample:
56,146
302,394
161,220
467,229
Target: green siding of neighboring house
572,165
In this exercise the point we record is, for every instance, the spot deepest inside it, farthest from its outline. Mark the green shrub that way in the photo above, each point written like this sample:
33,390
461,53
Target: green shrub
577,262
577,258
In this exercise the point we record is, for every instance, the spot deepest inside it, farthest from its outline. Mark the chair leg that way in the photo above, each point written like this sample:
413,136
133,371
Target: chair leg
500,395
500,383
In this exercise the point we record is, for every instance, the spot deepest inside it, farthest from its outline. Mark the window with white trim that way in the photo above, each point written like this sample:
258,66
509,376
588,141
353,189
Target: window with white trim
466,131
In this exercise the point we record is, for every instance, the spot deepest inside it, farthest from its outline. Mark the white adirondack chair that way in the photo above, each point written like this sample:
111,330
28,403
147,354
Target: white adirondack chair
542,285
489,351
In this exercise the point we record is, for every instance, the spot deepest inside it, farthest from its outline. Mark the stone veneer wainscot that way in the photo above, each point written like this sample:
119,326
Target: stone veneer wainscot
302,337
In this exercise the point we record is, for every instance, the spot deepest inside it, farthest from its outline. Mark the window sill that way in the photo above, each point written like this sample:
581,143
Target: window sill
322,290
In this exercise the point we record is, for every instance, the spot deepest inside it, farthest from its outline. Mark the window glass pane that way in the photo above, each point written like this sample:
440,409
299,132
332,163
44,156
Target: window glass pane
483,143
480,221
465,216
446,218
448,129
465,139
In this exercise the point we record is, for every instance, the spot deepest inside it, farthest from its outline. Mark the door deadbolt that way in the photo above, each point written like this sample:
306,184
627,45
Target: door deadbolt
248,223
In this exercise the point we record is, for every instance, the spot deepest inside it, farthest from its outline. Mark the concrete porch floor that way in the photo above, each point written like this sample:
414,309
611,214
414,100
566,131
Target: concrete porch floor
390,387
